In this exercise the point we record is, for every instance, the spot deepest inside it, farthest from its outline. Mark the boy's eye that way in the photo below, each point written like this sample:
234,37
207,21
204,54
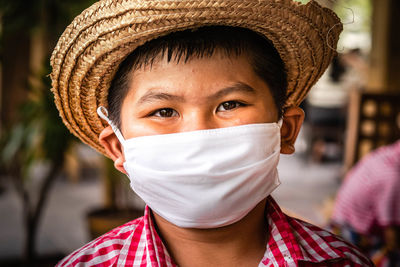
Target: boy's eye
228,105
165,113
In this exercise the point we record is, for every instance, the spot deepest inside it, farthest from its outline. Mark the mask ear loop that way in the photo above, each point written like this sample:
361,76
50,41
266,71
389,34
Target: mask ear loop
103,113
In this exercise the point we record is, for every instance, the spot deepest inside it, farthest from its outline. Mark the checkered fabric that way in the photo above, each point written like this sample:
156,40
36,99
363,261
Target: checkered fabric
291,243
369,198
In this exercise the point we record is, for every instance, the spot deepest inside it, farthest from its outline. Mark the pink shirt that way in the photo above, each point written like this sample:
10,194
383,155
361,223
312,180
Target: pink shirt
370,194
291,243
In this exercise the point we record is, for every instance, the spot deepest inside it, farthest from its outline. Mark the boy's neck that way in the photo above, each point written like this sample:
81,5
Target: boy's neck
240,244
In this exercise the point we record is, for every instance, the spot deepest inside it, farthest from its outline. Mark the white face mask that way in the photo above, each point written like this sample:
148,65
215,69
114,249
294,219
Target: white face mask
206,178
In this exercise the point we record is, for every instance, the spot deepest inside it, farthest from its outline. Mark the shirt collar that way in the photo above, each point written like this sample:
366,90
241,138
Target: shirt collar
282,244
156,250
291,240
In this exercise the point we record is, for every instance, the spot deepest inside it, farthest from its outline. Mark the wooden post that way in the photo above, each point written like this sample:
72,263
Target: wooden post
394,47
385,53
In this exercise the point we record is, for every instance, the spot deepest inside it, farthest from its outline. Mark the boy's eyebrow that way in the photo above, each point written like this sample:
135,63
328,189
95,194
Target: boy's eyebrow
235,88
154,94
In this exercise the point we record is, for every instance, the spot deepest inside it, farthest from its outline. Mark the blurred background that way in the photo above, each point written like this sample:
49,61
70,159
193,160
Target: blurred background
56,194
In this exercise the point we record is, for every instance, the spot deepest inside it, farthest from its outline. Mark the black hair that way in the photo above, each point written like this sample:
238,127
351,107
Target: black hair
200,43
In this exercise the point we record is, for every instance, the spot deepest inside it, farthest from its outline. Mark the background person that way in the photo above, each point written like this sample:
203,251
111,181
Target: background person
367,206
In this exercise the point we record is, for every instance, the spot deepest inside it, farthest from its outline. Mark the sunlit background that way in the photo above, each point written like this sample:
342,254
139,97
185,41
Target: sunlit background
56,194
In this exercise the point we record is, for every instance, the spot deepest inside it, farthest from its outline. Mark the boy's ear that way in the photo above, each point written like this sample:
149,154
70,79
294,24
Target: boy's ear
292,120
113,148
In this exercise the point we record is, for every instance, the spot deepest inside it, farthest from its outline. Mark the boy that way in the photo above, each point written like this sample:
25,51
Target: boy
198,98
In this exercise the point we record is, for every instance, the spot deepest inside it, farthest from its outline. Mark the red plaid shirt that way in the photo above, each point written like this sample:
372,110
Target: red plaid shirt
291,243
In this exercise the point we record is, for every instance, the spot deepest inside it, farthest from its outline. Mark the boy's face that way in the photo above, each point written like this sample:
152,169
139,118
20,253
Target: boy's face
206,93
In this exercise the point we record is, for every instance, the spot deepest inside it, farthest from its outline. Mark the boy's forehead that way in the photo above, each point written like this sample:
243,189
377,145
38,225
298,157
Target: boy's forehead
206,67
205,79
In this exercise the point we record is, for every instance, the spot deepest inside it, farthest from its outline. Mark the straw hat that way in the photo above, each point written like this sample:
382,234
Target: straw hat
96,42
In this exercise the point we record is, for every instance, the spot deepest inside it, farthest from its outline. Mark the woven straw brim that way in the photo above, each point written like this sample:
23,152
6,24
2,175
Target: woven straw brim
97,41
